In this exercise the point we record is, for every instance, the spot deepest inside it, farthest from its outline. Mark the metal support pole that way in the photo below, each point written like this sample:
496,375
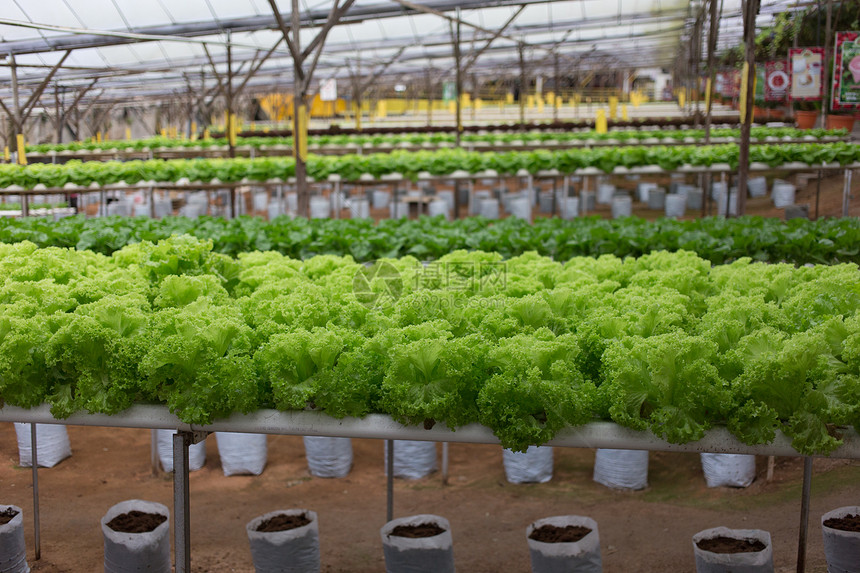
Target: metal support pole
846,192
804,514
153,452
459,78
389,508
818,192
181,499
522,101
444,463
34,460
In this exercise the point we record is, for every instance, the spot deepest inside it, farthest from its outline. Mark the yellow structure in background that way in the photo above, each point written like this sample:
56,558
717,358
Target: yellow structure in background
613,107
601,125
624,115
682,98
22,155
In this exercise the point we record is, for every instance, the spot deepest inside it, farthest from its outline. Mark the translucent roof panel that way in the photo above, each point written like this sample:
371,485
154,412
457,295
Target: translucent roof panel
157,44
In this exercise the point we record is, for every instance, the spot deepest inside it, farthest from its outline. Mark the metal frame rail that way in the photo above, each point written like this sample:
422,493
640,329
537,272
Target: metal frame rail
378,426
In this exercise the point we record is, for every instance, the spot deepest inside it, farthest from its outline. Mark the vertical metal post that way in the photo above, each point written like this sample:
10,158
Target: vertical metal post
153,452
556,89
522,101
818,191
846,192
389,508
25,205
151,193
459,78
804,514
444,463
181,503
34,460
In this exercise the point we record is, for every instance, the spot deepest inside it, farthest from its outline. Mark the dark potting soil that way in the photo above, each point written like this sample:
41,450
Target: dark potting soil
6,515
730,545
553,534
416,531
847,523
283,522
136,522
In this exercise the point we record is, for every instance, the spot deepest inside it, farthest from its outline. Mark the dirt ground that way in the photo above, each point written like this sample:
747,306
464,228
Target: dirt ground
644,531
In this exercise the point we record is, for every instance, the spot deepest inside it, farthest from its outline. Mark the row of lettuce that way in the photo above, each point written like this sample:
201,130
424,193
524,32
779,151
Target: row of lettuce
352,167
526,346
759,133
719,240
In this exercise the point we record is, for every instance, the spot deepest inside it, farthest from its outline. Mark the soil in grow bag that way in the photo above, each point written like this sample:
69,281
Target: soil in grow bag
847,523
730,545
555,534
8,514
136,522
283,522
417,531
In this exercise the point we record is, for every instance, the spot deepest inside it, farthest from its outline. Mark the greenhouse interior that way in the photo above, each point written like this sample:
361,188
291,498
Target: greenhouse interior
419,286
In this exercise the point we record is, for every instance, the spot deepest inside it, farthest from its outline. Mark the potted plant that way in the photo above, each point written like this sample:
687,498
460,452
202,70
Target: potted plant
285,541
137,537
418,544
531,466
564,543
806,113
841,531
722,550
13,552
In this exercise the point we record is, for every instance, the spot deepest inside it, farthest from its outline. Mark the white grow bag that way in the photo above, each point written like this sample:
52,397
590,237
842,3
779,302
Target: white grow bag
581,556
757,562
328,457
242,453
52,445
421,555
412,459
13,551
841,548
137,552
730,470
621,469
532,466
196,452
291,551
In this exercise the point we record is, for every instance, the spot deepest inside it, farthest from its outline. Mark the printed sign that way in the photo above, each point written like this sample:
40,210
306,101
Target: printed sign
805,68
776,80
846,71
328,90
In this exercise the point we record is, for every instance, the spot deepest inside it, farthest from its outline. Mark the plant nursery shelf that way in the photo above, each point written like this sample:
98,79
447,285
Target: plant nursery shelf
378,426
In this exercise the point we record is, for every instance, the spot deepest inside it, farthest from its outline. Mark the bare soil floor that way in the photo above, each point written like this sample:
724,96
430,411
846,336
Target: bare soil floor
644,531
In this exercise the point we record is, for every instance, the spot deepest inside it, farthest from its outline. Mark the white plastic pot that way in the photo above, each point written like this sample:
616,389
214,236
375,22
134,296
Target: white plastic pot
421,555
137,552
359,208
319,208
438,207
477,198
328,457
520,207
196,452
757,186
13,551
621,469
52,445
755,562
676,205
581,556
605,193
398,210
657,199
569,207
643,191
448,197
291,551
532,466
242,453
718,188
621,207
841,548
380,198
489,208
728,470
412,459
783,194
545,200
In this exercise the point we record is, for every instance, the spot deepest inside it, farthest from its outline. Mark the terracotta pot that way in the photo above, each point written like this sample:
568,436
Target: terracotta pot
840,122
805,119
